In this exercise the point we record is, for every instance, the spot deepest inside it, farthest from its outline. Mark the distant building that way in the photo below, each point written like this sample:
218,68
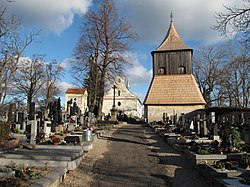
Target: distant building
173,90
78,96
125,101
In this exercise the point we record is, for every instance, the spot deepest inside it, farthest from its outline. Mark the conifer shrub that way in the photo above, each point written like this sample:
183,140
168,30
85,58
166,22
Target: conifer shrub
4,131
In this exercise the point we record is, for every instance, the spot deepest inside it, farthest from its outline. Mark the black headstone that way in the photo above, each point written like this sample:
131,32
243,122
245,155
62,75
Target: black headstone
32,111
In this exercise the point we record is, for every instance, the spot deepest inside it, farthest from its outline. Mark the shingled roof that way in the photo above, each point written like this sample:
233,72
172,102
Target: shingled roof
174,90
172,40
75,90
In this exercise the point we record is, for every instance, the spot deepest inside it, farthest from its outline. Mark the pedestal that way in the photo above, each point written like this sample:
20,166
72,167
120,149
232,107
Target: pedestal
113,114
215,135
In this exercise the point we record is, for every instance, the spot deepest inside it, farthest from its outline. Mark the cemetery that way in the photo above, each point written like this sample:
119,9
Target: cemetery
49,139
214,140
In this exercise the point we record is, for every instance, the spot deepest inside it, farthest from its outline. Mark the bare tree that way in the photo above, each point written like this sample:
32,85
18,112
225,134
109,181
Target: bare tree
29,78
234,19
223,74
13,42
99,52
53,71
207,64
236,82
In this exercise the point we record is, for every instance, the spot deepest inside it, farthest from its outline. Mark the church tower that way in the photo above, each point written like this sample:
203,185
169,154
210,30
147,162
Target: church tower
172,56
173,90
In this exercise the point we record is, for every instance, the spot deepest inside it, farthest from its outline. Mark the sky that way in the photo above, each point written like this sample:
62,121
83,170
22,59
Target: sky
60,22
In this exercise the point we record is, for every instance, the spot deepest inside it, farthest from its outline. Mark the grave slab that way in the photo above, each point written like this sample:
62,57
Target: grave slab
52,156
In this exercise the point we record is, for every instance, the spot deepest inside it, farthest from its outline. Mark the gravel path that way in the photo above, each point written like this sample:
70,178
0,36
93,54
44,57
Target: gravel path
83,175
133,156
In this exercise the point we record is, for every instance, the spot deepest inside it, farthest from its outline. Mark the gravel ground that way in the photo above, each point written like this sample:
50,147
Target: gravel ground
83,175
133,156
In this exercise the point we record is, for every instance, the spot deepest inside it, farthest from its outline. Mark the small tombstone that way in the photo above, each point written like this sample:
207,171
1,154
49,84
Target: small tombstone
72,139
59,128
18,126
47,127
71,126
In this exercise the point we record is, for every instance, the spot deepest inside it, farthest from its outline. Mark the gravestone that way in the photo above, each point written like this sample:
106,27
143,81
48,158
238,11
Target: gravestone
47,128
54,113
205,125
81,119
59,128
34,129
20,120
70,126
31,115
72,139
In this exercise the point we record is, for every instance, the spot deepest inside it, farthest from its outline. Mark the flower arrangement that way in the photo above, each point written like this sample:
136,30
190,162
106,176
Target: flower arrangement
64,132
55,139
23,171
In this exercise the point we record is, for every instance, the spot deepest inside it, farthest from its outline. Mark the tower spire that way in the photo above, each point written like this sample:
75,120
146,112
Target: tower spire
171,16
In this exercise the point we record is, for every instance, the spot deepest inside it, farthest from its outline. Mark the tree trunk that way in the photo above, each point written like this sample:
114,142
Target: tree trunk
101,92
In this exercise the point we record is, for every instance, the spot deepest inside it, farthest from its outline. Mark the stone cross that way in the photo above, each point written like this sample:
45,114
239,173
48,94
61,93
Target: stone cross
114,87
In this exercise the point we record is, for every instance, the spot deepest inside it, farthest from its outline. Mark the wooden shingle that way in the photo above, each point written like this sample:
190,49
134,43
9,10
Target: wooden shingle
174,90
172,41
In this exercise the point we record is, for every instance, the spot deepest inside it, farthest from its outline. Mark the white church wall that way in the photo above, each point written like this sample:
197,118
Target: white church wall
129,103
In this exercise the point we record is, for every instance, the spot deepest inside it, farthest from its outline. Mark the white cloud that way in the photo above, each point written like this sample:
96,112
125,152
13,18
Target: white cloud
193,18
50,15
66,63
63,86
137,74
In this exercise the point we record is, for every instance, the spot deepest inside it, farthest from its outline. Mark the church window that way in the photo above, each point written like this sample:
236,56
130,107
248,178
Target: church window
119,103
162,71
182,70
119,93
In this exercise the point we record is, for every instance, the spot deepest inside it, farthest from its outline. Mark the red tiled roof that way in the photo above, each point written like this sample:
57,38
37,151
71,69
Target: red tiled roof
76,90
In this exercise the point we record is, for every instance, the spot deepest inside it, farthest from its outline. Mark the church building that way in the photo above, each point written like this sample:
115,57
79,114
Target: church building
78,96
125,101
173,91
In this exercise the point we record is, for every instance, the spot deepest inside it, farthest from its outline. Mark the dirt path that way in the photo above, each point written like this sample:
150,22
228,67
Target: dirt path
133,156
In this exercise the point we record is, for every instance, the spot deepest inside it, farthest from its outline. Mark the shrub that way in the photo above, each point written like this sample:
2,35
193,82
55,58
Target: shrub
203,152
236,138
4,131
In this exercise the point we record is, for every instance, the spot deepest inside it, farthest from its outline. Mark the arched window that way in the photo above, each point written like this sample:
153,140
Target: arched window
119,93
162,71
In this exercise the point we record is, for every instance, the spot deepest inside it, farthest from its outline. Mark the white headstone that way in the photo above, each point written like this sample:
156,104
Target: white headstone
33,132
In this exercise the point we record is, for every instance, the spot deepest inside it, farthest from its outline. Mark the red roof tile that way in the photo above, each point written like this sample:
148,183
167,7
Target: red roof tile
76,90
